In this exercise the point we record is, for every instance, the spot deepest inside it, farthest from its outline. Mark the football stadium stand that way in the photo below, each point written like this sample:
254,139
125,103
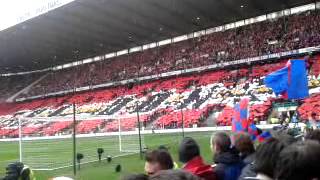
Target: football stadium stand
164,103
262,38
160,102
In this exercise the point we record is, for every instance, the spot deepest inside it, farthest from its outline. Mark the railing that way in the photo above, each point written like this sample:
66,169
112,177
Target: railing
157,131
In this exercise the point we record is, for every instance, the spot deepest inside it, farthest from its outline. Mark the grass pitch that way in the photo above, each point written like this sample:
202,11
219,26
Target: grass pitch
60,153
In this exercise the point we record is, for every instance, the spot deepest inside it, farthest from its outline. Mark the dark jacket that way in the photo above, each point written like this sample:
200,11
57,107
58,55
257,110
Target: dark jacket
248,159
248,170
197,167
228,165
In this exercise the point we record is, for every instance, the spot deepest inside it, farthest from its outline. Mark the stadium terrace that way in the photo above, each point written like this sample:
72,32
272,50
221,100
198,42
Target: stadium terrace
108,103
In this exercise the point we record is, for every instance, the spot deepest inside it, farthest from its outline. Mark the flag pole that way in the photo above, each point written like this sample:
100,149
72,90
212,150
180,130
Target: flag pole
74,139
20,140
182,121
139,129
119,134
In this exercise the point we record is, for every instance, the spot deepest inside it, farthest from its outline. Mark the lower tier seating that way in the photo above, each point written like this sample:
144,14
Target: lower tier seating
159,103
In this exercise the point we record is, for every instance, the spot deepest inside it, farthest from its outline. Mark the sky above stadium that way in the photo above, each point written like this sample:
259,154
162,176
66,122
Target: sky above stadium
13,12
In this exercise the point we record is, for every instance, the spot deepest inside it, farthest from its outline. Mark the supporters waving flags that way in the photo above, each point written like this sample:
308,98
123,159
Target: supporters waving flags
290,81
164,89
280,157
241,123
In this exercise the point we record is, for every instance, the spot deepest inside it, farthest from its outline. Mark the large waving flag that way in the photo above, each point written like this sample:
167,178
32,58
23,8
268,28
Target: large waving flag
290,81
241,122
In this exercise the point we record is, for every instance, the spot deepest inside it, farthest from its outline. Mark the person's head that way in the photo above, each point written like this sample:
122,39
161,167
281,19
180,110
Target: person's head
220,142
300,160
188,150
163,147
18,170
174,175
157,160
136,177
284,136
313,135
244,144
61,178
267,155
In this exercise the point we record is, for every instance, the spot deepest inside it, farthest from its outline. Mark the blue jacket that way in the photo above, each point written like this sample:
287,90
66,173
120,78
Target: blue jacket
228,165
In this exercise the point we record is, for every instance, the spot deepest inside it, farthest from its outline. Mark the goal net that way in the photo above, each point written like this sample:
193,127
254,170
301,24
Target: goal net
47,143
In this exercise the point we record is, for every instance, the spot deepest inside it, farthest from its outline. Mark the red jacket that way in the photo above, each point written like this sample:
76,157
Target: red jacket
197,167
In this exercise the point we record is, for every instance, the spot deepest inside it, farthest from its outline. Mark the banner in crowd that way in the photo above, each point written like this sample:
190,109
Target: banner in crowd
290,81
241,122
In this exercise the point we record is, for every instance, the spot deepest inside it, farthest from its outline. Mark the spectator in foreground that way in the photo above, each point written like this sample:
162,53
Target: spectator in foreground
157,160
244,145
266,157
18,171
136,177
61,178
189,155
228,164
313,135
163,147
299,161
174,175
284,136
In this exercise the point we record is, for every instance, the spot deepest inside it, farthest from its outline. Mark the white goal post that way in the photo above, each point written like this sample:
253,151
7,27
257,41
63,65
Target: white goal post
47,148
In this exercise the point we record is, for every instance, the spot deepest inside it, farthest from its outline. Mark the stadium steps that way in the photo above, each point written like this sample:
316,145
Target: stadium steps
210,121
26,89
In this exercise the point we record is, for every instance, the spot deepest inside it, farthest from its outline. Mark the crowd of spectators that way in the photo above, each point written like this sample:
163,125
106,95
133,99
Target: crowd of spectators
270,36
13,84
237,157
203,99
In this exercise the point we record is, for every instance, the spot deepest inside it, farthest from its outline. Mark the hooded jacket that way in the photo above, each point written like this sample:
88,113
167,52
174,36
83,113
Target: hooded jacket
228,165
248,170
197,167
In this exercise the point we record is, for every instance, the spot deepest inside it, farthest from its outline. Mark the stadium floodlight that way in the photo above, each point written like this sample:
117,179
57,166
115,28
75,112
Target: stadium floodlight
100,151
79,157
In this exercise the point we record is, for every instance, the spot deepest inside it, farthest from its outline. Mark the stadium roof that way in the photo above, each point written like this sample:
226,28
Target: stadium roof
87,28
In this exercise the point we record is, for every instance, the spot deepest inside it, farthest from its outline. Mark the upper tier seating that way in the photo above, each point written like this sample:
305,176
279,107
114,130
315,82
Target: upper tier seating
13,84
271,36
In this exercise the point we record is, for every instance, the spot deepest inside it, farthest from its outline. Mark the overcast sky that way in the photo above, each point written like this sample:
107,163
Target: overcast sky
13,12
